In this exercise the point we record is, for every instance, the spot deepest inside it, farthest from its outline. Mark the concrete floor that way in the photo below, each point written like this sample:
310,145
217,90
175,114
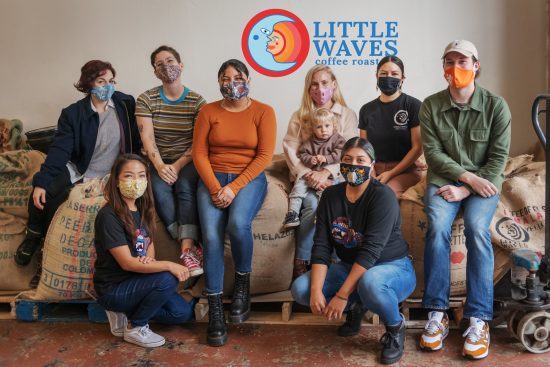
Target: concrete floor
76,344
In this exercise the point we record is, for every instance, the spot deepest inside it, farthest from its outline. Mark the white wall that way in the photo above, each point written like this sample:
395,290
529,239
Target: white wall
44,44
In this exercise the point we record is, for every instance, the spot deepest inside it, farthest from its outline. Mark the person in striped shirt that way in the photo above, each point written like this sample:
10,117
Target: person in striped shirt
166,117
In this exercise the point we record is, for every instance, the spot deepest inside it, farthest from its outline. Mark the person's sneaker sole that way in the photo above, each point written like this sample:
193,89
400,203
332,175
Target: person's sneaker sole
117,332
291,225
427,348
218,341
196,272
145,345
471,357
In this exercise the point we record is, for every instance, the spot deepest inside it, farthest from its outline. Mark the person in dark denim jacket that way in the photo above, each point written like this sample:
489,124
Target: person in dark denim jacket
91,133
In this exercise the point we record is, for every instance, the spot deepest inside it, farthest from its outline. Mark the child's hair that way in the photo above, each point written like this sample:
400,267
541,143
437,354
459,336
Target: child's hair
322,115
145,203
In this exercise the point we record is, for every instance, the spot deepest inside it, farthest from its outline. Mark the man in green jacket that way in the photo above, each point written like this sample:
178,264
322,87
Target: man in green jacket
466,137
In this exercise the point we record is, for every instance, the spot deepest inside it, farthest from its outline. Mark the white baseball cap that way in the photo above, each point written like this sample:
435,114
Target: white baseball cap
463,47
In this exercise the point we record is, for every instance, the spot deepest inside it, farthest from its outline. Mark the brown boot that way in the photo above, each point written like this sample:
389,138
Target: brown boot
300,268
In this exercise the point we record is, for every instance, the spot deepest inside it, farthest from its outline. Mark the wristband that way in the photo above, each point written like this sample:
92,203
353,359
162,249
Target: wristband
340,297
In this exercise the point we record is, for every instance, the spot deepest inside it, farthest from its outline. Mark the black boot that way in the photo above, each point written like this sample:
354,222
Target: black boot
240,305
31,243
216,333
394,343
352,326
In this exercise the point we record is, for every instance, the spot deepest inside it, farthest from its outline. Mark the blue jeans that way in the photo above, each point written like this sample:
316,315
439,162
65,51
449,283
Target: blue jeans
478,213
237,220
380,289
147,297
176,204
306,229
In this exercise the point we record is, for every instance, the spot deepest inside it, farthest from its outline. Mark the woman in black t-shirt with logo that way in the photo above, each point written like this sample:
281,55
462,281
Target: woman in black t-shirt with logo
360,220
390,122
131,285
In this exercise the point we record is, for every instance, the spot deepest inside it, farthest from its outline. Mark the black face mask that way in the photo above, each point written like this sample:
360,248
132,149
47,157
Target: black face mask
388,85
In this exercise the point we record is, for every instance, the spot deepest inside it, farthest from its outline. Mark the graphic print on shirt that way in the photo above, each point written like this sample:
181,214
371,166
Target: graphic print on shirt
343,233
142,242
401,118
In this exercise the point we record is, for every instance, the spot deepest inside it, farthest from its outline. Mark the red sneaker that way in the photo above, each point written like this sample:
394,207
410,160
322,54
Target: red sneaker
190,261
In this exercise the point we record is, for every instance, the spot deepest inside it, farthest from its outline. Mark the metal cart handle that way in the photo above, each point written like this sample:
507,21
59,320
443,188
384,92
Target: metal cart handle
535,112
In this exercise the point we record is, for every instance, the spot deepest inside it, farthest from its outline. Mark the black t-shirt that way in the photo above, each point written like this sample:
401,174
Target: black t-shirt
110,233
364,232
389,125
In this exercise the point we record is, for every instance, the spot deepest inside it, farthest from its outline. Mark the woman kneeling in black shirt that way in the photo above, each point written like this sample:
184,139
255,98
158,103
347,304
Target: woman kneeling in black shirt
131,285
360,219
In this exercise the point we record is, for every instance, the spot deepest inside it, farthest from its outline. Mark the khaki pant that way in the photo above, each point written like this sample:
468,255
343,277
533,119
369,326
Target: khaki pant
400,183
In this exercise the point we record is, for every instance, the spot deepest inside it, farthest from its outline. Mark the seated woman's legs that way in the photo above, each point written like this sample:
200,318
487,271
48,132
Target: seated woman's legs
164,203
186,203
40,219
242,211
213,222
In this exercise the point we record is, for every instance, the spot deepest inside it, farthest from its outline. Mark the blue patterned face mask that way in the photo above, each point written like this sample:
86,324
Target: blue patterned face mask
234,90
355,175
103,93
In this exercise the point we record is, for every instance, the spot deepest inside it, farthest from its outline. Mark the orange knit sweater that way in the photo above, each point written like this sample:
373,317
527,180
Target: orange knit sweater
233,142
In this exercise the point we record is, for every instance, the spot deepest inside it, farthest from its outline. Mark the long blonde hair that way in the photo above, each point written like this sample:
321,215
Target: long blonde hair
307,106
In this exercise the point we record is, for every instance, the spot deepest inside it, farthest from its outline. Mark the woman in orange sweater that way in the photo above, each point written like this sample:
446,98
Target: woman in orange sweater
233,143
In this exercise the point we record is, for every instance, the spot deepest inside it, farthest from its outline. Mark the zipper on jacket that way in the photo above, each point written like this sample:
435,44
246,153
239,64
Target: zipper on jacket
129,127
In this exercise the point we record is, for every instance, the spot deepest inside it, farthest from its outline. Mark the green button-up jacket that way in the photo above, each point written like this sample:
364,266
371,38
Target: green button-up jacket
474,138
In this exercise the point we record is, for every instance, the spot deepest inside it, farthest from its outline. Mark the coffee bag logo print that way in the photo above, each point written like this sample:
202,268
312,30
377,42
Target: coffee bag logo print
275,42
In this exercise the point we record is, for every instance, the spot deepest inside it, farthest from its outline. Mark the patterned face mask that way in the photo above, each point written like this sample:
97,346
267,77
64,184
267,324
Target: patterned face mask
234,90
103,93
168,73
132,189
355,175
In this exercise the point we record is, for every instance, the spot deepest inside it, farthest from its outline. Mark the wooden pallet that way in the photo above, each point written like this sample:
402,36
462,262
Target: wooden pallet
59,311
456,306
7,306
285,316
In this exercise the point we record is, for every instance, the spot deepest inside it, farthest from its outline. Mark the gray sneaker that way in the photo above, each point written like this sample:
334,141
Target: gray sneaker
117,321
143,336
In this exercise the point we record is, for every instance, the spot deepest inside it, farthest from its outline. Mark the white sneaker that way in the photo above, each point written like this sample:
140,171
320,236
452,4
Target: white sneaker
435,331
476,345
117,321
143,336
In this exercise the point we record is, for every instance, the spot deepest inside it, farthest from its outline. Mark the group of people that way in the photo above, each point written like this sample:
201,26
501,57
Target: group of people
201,165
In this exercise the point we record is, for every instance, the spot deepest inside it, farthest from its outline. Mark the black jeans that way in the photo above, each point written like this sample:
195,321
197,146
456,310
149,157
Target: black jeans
56,193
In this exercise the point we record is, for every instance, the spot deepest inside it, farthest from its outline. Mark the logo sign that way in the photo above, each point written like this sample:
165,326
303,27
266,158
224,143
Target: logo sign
275,42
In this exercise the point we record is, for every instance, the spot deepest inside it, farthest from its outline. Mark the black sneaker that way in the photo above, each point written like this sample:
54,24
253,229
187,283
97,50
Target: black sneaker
27,248
291,219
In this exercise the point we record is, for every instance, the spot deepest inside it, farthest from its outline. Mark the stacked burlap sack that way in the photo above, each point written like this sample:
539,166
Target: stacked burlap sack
518,223
69,253
17,168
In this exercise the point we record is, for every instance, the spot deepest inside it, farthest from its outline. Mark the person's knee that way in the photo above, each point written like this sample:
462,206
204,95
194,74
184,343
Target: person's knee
300,290
166,281
238,226
475,228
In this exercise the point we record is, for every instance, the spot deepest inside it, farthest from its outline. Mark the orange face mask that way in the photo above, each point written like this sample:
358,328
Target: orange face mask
459,78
